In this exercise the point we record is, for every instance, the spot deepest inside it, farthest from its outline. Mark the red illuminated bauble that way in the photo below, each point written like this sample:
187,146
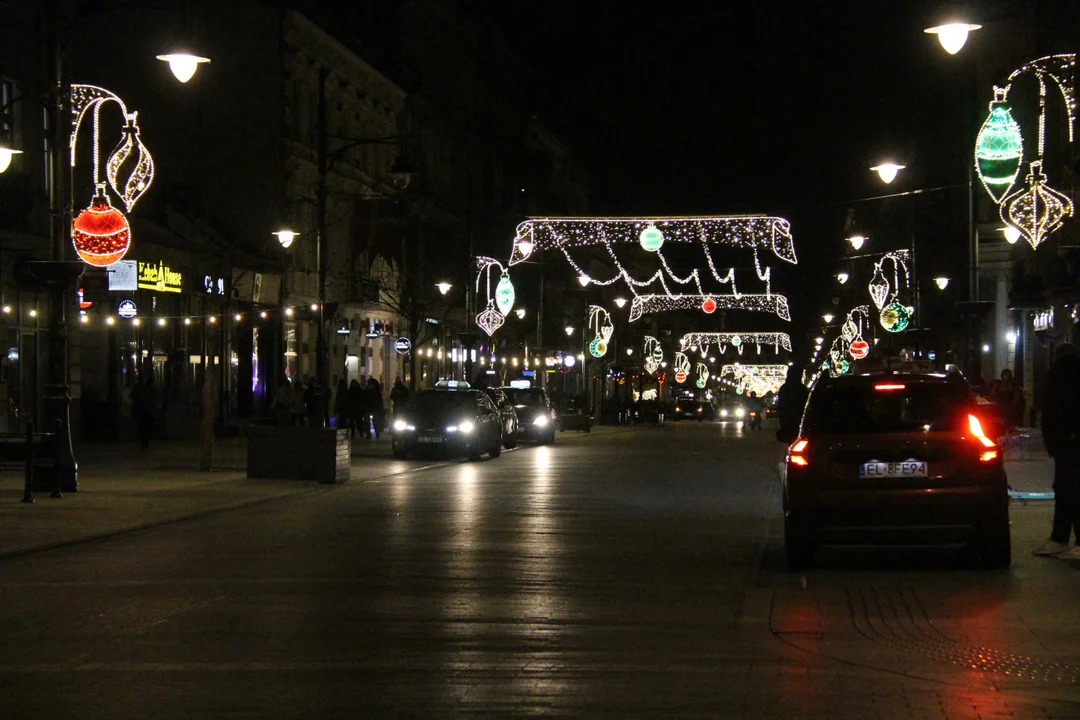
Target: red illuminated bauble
709,306
680,376
101,233
859,349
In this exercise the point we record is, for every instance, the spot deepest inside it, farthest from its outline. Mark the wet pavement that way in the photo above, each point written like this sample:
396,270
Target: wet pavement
632,574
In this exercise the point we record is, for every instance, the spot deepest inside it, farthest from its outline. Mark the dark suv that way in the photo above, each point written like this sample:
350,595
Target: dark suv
536,415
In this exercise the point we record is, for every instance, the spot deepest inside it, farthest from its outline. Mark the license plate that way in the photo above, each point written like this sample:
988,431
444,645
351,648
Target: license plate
429,439
907,468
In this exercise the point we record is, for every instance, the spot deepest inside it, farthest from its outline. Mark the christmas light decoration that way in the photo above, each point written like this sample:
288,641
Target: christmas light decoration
642,304
757,231
999,148
504,294
709,306
879,287
490,319
1038,209
859,349
682,367
652,353
651,239
101,233
761,379
702,375
600,322
895,317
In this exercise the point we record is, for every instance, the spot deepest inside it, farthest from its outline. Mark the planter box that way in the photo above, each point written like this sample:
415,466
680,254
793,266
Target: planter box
292,453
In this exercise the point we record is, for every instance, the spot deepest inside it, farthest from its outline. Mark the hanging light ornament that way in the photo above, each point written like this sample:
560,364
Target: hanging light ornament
859,348
682,367
999,148
702,375
101,233
504,294
141,175
736,341
598,347
895,317
709,306
879,287
651,238
1038,209
848,330
490,319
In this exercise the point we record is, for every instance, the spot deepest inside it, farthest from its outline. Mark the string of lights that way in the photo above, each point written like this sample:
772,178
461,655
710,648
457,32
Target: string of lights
642,304
704,340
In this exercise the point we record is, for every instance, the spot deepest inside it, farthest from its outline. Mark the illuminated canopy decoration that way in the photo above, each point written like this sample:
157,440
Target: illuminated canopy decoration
703,340
101,234
1036,209
760,379
773,303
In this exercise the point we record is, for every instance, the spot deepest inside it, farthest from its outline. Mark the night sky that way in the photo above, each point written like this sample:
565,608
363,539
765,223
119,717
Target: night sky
768,107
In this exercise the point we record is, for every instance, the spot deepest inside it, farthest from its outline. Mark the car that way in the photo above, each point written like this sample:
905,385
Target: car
688,409
507,413
459,421
771,410
729,411
894,458
536,414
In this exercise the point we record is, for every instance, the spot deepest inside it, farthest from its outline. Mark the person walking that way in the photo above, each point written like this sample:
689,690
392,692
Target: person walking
375,405
790,402
283,401
1009,398
298,404
341,404
143,400
399,396
358,412
1061,435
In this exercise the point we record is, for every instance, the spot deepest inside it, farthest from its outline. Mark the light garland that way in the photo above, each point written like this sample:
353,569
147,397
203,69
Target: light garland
642,304
703,340
755,231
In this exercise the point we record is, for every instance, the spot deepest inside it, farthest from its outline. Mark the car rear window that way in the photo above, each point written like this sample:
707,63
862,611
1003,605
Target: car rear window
886,405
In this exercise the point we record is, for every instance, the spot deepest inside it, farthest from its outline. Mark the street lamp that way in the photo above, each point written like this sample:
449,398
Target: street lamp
183,64
942,282
629,351
819,340
1011,234
285,236
620,302
443,287
520,312
842,277
6,154
857,241
827,317
569,330
887,171
952,35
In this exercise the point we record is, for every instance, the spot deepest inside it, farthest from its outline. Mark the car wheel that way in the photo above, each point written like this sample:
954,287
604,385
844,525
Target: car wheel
473,453
398,451
496,448
511,442
798,546
550,437
995,546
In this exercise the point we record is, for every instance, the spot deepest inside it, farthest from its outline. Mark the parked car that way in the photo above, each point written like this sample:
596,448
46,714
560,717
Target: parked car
688,409
454,422
895,458
536,415
508,415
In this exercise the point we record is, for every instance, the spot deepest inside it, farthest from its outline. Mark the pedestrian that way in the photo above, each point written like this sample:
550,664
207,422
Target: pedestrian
375,405
143,400
790,403
1061,435
399,396
298,404
317,402
341,404
359,417
283,401
1007,394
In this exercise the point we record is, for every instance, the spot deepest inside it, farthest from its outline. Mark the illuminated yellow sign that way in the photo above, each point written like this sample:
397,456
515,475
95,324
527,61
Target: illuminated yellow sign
159,277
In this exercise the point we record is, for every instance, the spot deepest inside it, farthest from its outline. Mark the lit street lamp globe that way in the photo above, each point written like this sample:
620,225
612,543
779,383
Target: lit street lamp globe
942,282
183,64
285,237
857,241
887,171
953,35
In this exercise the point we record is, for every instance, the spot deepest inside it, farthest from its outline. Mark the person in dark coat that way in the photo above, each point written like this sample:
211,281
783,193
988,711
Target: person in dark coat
341,404
1061,435
790,403
399,396
375,405
358,414
143,401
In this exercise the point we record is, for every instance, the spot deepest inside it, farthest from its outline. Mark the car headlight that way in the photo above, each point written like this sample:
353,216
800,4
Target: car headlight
740,412
465,427
676,408
723,413
540,421
699,409
399,425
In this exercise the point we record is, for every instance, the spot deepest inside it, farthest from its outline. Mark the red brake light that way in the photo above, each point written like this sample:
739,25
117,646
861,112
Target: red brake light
795,456
799,445
890,386
799,460
988,456
976,429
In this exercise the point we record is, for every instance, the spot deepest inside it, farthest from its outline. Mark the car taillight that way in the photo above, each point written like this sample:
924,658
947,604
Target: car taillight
976,429
797,452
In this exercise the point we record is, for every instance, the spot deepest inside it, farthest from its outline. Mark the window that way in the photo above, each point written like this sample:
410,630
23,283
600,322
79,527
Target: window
859,408
47,148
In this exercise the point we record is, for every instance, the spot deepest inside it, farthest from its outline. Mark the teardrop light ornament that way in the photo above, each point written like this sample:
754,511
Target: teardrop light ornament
879,287
651,238
1038,209
504,294
849,330
999,149
101,233
490,319
138,181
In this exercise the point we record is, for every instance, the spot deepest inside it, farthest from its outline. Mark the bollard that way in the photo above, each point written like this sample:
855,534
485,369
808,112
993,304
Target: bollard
28,493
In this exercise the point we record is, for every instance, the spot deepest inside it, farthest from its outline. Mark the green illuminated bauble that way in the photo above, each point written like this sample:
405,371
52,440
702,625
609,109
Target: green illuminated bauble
738,391
894,317
736,341
701,382
825,365
843,367
658,354
999,151
504,294
651,239
598,347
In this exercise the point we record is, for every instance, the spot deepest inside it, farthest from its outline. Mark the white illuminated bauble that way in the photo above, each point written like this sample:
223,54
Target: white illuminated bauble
651,239
887,171
584,280
952,36
183,65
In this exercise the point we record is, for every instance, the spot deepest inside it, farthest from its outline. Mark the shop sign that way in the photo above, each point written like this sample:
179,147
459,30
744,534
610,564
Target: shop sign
127,309
1043,320
159,277
402,345
123,276
213,285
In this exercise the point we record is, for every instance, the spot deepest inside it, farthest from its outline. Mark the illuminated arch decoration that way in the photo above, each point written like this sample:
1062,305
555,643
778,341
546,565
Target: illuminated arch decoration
777,304
704,340
1036,210
761,379
100,233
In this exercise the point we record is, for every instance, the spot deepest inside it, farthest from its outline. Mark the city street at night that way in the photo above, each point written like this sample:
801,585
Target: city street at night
630,572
